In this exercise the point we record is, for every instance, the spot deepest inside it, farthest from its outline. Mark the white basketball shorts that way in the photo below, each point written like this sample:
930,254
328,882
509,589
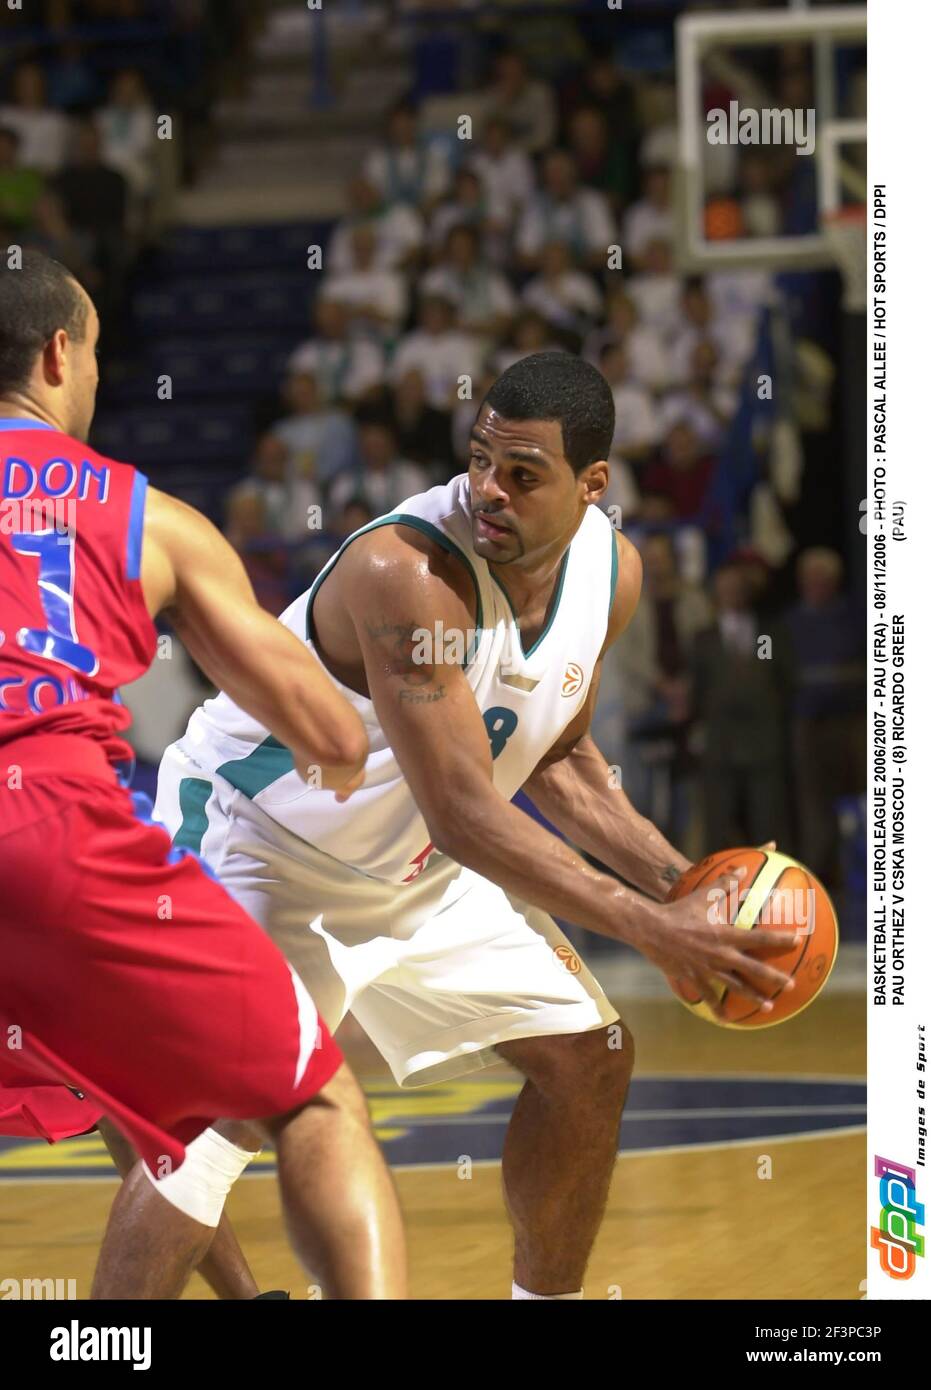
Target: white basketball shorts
437,972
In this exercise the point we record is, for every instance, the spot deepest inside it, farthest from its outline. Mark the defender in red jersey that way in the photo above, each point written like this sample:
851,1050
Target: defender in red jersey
127,972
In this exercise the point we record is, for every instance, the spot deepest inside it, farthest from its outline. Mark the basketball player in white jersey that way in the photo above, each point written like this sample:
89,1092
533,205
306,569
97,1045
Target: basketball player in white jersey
468,629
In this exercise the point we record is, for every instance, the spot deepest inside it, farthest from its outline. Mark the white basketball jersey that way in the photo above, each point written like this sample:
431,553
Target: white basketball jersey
526,697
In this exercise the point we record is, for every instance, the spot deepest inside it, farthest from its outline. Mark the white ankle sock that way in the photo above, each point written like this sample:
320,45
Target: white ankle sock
518,1292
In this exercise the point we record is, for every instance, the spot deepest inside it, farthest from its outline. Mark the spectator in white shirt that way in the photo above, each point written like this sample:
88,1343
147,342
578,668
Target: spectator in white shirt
266,513
320,441
564,211
483,298
526,104
657,291
43,132
659,146
346,368
648,219
738,298
645,349
440,351
466,207
385,478
407,169
567,298
704,403
375,298
636,425
272,510
740,293
127,132
506,174
398,228
699,321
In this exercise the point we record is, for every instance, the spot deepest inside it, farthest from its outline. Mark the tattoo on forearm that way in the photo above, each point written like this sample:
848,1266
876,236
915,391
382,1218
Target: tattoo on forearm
670,873
422,697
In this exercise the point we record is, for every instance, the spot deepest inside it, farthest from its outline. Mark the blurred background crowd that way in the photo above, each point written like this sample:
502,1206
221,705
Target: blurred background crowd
296,397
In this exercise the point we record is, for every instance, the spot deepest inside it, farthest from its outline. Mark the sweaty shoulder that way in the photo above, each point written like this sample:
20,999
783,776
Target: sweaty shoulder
395,562
392,579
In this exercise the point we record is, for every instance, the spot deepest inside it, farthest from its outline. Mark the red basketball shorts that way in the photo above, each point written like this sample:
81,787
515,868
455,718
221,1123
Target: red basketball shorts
127,972
45,1112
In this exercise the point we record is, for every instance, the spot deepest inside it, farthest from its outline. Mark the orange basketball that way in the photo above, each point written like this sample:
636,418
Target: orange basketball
777,893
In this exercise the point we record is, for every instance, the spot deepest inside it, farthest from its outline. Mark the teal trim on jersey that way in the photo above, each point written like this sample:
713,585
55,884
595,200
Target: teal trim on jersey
613,572
193,795
508,597
264,765
555,601
427,529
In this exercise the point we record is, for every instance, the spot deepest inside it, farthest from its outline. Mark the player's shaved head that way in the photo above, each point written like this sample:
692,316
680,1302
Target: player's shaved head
558,386
36,300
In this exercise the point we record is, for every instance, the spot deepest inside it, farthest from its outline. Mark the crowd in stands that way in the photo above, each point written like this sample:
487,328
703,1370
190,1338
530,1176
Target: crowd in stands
549,227
454,259
103,109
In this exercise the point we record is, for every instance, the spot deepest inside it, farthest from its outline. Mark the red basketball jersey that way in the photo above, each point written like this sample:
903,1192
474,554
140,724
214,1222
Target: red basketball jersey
73,621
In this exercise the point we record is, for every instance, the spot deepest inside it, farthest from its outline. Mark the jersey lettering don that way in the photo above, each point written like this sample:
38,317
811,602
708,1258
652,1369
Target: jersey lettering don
526,697
73,621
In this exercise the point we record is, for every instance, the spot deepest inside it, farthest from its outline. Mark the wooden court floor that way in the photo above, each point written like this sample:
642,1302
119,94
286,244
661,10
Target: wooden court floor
770,1206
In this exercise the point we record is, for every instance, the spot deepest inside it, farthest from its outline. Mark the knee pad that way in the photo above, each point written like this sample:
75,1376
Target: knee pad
201,1185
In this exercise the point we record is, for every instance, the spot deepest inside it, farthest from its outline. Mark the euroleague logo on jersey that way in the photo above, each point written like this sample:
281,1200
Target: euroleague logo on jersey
568,959
573,680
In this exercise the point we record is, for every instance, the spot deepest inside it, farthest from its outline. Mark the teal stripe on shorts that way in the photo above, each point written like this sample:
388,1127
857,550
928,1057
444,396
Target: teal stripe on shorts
264,765
193,795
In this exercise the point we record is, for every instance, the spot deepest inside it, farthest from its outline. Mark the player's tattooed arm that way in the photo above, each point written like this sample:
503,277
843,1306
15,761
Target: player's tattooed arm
397,646
405,651
443,751
422,697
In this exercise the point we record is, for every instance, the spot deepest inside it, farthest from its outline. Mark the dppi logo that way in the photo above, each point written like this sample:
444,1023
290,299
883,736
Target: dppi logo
896,1237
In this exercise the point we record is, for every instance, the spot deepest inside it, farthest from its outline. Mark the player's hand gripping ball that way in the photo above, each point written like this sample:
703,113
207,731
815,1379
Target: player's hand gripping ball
777,893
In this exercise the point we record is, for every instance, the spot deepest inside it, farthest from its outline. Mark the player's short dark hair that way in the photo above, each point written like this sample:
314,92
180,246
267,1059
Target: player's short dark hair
36,300
558,386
